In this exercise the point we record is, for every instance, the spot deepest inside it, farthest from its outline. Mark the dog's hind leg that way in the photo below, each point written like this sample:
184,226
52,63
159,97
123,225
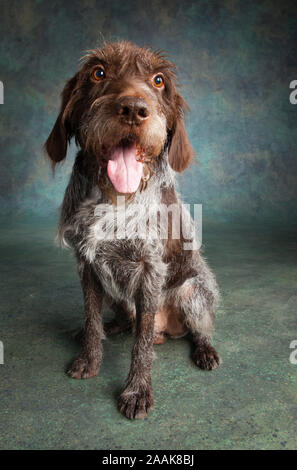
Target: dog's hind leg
88,362
197,299
204,354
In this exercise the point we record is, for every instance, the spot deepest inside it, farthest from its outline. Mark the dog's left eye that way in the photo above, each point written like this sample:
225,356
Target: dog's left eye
99,74
158,80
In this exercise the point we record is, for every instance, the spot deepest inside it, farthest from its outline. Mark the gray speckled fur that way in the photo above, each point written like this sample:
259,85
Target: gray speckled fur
123,266
164,284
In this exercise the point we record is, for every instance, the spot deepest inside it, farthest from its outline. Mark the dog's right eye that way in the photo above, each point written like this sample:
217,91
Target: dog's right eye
99,74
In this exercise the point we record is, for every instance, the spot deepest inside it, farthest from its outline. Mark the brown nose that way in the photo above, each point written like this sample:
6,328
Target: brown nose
132,110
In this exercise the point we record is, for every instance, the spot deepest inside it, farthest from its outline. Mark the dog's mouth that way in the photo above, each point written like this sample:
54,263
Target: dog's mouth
125,167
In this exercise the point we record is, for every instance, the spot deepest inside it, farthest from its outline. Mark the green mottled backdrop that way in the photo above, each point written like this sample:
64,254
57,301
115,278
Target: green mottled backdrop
235,58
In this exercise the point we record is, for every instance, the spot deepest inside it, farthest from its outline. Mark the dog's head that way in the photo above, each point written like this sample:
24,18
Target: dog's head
123,108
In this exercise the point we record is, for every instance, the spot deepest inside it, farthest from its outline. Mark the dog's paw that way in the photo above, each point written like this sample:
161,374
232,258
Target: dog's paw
135,405
159,338
206,357
84,368
112,328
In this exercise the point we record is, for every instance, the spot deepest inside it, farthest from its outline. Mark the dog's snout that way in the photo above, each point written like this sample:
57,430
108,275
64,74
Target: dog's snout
132,110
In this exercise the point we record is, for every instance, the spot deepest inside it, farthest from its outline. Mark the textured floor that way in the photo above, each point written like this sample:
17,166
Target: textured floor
248,403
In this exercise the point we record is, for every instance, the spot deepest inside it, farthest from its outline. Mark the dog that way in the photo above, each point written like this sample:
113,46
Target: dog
125,111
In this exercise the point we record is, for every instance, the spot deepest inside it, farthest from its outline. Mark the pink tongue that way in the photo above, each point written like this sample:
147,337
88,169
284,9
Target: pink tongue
123,170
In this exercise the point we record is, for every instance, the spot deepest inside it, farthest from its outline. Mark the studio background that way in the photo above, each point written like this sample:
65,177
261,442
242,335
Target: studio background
235,62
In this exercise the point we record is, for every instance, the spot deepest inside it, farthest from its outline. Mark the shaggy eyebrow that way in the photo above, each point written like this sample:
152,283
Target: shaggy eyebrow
97,61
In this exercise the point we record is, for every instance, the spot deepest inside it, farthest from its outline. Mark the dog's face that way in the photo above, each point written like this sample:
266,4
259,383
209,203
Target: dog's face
123,108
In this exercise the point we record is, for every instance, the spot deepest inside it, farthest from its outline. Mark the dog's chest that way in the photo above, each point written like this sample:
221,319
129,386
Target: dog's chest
119,240
102,227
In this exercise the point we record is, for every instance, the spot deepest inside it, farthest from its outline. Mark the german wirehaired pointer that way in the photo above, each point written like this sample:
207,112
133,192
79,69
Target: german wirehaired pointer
126,114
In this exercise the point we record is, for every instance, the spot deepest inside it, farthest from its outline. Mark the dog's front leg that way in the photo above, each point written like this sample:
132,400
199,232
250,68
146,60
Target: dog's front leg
88,362
137,398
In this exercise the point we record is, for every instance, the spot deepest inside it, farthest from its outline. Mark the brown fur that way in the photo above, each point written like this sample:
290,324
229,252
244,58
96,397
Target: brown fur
82,95
124,107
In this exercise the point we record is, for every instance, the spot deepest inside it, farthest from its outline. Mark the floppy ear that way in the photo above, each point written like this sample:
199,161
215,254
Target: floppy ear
56,144
180,152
